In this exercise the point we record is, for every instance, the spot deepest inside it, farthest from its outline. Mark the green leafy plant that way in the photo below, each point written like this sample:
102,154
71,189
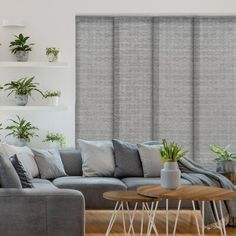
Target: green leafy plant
1,87
20,44
52,94
171,152
52,50
22,129
55,137
24,86
222,153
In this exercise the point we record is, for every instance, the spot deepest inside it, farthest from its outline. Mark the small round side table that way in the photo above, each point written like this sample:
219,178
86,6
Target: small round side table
122,199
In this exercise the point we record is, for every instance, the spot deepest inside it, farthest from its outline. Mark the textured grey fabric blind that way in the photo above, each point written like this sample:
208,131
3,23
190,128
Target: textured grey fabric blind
141,78
215,95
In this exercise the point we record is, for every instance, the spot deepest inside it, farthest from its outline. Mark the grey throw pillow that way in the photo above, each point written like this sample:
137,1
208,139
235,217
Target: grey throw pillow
150,157
8,175
49,163
127,160
97,158
25,179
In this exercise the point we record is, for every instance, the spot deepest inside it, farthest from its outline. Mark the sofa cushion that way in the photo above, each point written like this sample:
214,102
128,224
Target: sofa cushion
92,189
43,184
8,176
151,160
127,160
49,163
72,161
133,183
97,157
24,154
25,179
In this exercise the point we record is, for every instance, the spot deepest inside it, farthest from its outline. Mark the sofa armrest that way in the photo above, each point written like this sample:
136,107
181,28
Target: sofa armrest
27,212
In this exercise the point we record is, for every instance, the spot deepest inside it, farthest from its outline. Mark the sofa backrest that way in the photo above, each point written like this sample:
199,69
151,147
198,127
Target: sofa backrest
72,161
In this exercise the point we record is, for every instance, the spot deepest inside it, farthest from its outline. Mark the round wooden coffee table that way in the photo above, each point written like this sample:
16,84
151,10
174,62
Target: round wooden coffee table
193,193
122,199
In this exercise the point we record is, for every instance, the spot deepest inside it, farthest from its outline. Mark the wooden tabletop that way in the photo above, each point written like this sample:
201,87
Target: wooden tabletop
188,192
128,196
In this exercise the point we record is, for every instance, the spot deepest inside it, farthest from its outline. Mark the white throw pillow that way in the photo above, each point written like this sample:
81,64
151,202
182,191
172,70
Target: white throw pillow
24,154
150,158
97,158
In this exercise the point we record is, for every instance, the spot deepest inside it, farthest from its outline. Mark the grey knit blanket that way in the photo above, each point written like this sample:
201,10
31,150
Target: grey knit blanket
198,175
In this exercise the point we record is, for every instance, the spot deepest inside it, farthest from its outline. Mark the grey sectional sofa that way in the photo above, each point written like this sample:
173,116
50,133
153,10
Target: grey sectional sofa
56,208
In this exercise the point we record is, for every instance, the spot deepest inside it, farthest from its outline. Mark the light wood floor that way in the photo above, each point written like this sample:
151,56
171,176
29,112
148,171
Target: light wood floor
97,222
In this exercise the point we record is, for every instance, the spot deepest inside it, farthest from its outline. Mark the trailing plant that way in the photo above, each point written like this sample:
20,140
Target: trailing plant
52,50
52,94
55,137
24,86
20,44
1,87
222,153
171,152
22,129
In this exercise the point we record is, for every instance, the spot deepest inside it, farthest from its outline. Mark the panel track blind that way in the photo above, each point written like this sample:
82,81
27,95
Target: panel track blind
143,78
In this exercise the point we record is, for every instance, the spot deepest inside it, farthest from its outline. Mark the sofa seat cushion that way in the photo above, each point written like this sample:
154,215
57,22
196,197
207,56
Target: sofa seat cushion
92,189
43,184
133,183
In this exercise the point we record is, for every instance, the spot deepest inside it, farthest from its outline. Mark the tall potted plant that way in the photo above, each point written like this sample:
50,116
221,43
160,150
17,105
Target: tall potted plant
225,160
22,88
20,48
170,154
22,131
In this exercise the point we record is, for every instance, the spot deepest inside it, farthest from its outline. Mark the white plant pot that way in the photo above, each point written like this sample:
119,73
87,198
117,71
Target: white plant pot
170,175
54,101
22,56
54,145
21,100
20,142
52,58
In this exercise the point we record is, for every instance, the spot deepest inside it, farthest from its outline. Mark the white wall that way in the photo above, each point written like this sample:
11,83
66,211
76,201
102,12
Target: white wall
52,23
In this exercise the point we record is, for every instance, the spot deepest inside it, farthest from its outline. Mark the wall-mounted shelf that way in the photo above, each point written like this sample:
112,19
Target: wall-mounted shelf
13,23
33,108
33,64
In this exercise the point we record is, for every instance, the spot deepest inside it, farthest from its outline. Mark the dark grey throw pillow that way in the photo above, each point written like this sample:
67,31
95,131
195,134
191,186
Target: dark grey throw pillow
25,179
8,175
127,160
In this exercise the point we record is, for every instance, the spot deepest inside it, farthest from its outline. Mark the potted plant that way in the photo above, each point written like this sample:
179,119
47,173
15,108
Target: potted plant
170,154
225,160
20,48
22,88
22,131
53,97
55,140
52,54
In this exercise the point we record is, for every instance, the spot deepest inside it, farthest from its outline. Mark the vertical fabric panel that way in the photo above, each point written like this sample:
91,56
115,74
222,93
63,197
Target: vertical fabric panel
175,80
133,77
215,53
94,77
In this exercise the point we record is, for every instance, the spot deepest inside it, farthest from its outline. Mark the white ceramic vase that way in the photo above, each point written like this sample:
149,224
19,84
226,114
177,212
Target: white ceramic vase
19,142
170,175
54,145
21,100
54,101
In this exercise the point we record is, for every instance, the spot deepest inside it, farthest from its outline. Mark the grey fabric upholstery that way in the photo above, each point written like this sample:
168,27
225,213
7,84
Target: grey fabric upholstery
8,175
133,183
72,161
43,184
92,189
32,212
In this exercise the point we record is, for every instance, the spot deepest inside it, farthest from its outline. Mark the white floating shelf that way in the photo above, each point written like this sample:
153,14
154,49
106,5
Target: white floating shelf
33,64
13,23
33,108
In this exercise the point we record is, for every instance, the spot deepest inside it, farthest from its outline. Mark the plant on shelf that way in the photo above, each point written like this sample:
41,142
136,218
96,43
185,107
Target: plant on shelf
23,88
20,48
55,139
53,97
52,54
225,160
22,131
170,153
